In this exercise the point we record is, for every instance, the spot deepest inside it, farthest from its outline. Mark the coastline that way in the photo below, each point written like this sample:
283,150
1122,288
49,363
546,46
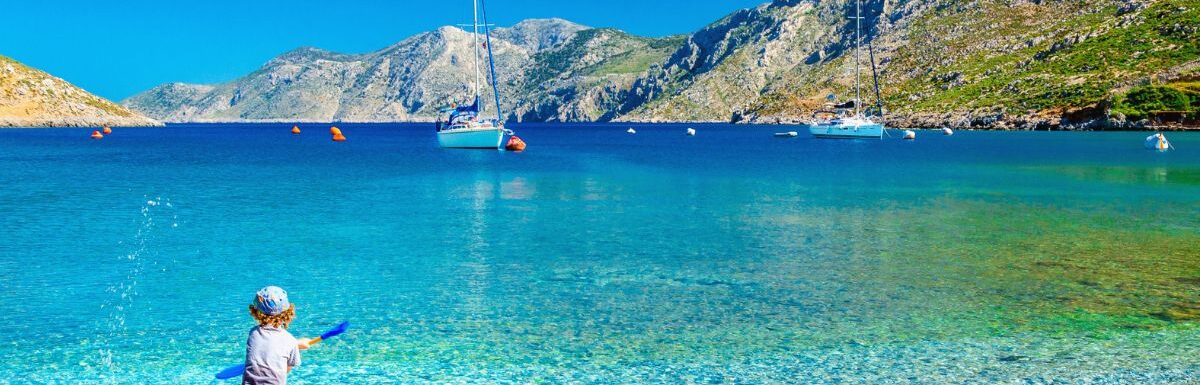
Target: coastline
78,122
999,121
913,121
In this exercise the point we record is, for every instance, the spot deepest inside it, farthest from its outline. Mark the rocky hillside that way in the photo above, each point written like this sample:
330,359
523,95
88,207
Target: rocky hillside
550,70
984,63
721,70
407,81
996,64
32,98
582,79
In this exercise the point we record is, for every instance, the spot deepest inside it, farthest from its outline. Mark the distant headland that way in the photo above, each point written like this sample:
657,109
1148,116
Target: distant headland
32,98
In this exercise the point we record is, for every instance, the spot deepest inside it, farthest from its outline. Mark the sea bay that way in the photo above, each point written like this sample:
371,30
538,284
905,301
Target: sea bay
598,256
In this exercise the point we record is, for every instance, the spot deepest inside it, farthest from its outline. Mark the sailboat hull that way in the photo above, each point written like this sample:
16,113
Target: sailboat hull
477,138
867,131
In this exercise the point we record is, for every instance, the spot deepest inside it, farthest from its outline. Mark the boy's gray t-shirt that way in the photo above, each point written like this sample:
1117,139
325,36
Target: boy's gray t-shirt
269,353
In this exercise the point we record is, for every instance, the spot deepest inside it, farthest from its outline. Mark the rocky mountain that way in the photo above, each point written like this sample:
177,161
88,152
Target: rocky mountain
982,63
581,80
32,98
410,80
549,70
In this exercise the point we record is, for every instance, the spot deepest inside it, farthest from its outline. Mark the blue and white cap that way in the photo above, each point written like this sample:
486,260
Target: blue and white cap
271,300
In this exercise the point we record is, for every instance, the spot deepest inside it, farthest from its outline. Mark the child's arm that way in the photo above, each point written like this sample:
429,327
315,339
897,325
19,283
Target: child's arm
294,358
301,344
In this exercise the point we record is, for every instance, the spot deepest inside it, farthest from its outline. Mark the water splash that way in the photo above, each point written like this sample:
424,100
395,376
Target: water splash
123,293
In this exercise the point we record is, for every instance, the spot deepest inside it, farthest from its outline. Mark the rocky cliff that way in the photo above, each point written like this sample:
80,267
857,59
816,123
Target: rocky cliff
32,98
983,63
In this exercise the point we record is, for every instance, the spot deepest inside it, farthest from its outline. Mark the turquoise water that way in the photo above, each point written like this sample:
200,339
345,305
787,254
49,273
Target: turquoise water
602,257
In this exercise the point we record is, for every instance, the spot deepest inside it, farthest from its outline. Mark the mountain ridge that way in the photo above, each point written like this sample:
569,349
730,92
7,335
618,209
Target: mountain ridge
407,81
940,63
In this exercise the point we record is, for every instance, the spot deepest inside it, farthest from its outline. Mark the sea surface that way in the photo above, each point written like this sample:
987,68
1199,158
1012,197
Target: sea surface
600,257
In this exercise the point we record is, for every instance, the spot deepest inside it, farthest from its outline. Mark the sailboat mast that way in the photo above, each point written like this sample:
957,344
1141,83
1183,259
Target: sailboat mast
475,36
875,78
857,57
492,63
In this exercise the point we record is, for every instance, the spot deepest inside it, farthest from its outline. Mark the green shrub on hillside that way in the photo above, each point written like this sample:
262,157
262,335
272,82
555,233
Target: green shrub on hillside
1192,89
1141,101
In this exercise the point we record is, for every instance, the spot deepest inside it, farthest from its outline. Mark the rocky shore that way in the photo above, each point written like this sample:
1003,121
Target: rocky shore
1088,119
7,122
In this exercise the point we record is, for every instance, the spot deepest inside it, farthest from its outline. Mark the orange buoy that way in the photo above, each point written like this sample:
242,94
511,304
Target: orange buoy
107,130
515,144
97,135
295,130
339,137
335,131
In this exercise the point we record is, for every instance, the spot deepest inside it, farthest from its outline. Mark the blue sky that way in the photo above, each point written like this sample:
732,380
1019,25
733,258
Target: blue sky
119,48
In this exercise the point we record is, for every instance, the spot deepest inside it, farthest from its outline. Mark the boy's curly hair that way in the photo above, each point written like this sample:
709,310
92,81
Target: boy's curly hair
282,320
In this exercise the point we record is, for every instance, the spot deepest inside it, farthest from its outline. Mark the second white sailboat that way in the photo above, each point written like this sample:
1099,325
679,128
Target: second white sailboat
833,124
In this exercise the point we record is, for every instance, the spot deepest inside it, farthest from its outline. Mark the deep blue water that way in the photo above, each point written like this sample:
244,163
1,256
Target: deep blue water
593,257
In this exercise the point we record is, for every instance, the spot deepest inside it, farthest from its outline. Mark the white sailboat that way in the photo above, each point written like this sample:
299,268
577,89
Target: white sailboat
1158,142
464,127
834,123
853,127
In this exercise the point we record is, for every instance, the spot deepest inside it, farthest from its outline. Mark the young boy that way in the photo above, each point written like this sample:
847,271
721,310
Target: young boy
271,352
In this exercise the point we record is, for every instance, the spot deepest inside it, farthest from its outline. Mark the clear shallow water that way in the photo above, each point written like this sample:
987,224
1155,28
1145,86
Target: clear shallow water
603,257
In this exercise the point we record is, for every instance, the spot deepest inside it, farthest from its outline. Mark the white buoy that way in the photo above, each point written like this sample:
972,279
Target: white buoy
691,132
1158,142
947,131
909,135
631,130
